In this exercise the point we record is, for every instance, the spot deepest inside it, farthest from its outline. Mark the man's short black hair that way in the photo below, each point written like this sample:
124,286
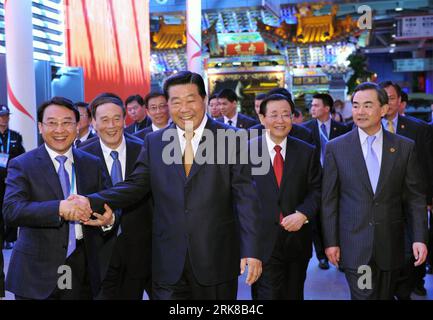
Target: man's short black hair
275,97
104,98
326,99
381,93
297,113
386,84
185,77
213,96
404,97
59,101
81,104
282,91
151,95
260,96
135,97
228,94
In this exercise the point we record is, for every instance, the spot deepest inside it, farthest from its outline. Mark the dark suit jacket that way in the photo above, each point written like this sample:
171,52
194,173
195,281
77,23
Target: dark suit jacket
243,122
297,131
136,221
32,200
212,214
143,133
337,129
421,134
140,126
363,224
299,190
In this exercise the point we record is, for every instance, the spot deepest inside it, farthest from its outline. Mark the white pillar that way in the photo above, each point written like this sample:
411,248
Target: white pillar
193,32
20,70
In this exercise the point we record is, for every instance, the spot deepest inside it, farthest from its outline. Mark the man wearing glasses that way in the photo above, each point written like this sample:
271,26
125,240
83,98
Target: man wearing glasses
290,198
56,255
157,110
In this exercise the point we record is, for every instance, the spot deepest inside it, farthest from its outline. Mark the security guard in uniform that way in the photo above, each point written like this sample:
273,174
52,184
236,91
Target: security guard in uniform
11,146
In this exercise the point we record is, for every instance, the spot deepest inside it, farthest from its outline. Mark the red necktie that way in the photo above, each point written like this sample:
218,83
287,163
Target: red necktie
278,168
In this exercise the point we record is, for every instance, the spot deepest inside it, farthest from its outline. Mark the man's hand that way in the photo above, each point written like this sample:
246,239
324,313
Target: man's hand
333,254
419,252
75,208
254,269
294,222
102,220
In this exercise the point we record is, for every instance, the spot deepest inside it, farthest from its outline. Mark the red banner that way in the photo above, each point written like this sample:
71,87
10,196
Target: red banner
245,49
110,40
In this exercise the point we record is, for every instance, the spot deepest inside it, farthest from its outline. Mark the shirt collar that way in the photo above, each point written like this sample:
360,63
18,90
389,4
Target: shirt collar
233,119
271,144
363,135
154,128
327,122
120,149
53,154
84,138
197,132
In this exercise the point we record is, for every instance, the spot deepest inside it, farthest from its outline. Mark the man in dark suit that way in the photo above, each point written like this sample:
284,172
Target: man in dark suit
417,130
137,112
290,197
323,129
84,132
157,110
213,107
371,189
197,249
129,272
228,103
55,256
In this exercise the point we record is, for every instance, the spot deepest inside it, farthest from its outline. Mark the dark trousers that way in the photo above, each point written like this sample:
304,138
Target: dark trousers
318,238
382,285
406,280
81,289
119,284
188,288
283,275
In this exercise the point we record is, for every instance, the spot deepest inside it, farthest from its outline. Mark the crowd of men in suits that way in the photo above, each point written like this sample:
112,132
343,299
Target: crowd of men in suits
107,210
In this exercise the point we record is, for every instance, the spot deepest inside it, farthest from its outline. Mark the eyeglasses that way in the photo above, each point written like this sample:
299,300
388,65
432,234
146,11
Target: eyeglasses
161,107
285,117
64,125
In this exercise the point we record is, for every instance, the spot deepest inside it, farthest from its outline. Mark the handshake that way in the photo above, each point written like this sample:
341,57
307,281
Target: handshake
77,208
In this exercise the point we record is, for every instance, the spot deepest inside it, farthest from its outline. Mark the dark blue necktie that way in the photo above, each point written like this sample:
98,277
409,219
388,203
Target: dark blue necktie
116,168
66,188
116,173
323,141
230,123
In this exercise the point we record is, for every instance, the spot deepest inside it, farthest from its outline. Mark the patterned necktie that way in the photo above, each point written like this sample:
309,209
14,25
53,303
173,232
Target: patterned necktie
116,168
188,155
66,188
278,168
391,126
372,163
323,141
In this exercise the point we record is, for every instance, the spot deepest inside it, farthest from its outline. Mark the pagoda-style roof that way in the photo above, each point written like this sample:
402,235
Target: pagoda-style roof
169,36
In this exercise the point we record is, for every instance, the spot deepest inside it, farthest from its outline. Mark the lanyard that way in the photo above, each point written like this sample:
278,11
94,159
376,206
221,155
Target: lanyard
8,144
72,191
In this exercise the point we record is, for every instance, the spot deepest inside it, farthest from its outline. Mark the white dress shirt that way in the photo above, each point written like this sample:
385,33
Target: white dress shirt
198,133
68,167
327,126
234,120
121,149
377,144
271,144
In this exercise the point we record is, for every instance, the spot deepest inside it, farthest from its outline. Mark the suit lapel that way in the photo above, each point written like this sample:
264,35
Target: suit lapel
178,167
401,126
289,163
358,159
334,130
388,158
264,153
49,172
131,156
80,166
